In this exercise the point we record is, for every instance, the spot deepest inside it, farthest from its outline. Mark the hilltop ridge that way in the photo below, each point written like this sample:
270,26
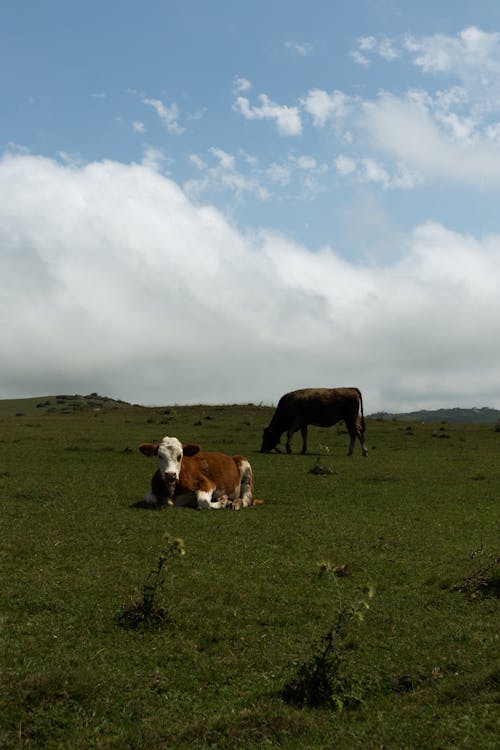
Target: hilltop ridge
68,404
62,403
475,415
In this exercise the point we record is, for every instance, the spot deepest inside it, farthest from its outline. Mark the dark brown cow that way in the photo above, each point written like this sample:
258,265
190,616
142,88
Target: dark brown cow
322,407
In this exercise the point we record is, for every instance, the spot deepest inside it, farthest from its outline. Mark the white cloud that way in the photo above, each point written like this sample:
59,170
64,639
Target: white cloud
303,49
169,115
279,173
227,161
138,127
408,131
383,47
437,134
360,59
197,161
387,50
472,56
153,158
460,129
225,176
399,141
324,107
287,118
74,159
241,84
243,175
374,172
367,43
471,49
306,162
369,170
345,165
199,114
112,278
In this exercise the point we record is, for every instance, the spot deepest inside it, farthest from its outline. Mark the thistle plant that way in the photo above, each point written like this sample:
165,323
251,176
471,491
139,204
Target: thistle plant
318,467
485,578
174,547
325,679
146,611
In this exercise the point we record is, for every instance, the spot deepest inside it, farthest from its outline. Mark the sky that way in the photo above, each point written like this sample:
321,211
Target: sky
221,202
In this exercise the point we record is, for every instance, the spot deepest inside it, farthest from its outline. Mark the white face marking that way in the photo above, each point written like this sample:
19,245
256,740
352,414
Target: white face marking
170,457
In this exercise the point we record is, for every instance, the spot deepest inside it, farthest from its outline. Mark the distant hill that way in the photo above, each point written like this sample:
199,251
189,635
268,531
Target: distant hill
58,404
485,415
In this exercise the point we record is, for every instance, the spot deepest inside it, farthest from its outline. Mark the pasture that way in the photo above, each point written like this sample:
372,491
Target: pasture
418,519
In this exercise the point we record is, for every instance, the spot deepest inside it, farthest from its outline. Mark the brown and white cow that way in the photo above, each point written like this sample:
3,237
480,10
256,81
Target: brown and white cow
322,407
188,477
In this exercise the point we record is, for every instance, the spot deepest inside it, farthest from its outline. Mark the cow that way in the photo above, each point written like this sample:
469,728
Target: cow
322,407
188,477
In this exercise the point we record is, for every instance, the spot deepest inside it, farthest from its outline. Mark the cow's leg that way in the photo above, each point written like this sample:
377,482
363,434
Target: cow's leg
151,499
355,431
353,434
303,432
204,500
361,438
158,494
205,497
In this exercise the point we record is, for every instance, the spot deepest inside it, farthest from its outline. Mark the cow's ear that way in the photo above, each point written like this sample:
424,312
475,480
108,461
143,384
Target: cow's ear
149,449
190,449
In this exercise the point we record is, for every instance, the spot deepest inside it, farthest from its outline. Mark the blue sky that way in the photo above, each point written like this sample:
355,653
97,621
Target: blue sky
223,201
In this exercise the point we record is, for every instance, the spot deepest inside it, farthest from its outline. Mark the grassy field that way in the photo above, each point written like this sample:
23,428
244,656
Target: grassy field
256,591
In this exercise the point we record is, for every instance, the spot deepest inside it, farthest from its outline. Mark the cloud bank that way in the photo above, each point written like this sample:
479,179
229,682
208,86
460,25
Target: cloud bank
114,280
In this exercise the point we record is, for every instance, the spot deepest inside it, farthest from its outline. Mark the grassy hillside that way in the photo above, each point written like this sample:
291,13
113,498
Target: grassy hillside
256,591
64,403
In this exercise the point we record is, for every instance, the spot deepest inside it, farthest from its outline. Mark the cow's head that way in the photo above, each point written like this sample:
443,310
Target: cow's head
170,453
269,440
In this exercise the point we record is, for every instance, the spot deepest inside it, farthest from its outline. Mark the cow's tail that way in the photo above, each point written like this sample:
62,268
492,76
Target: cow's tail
245,497
362,420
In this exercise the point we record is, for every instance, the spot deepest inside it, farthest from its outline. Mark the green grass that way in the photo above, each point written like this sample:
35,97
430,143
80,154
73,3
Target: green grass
247,604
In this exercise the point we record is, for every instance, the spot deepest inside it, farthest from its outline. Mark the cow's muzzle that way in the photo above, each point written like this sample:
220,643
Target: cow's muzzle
170,482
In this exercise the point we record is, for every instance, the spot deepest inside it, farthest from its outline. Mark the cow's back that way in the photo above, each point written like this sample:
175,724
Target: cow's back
218,467
321,407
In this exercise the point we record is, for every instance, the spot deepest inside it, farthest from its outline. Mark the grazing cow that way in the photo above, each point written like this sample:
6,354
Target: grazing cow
188,477
322,407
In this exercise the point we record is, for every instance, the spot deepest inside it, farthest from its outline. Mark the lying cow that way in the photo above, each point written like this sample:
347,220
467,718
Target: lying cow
322,407
188,477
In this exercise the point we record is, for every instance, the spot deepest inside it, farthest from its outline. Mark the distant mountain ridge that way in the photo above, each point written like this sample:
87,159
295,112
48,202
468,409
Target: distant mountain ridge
483,415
